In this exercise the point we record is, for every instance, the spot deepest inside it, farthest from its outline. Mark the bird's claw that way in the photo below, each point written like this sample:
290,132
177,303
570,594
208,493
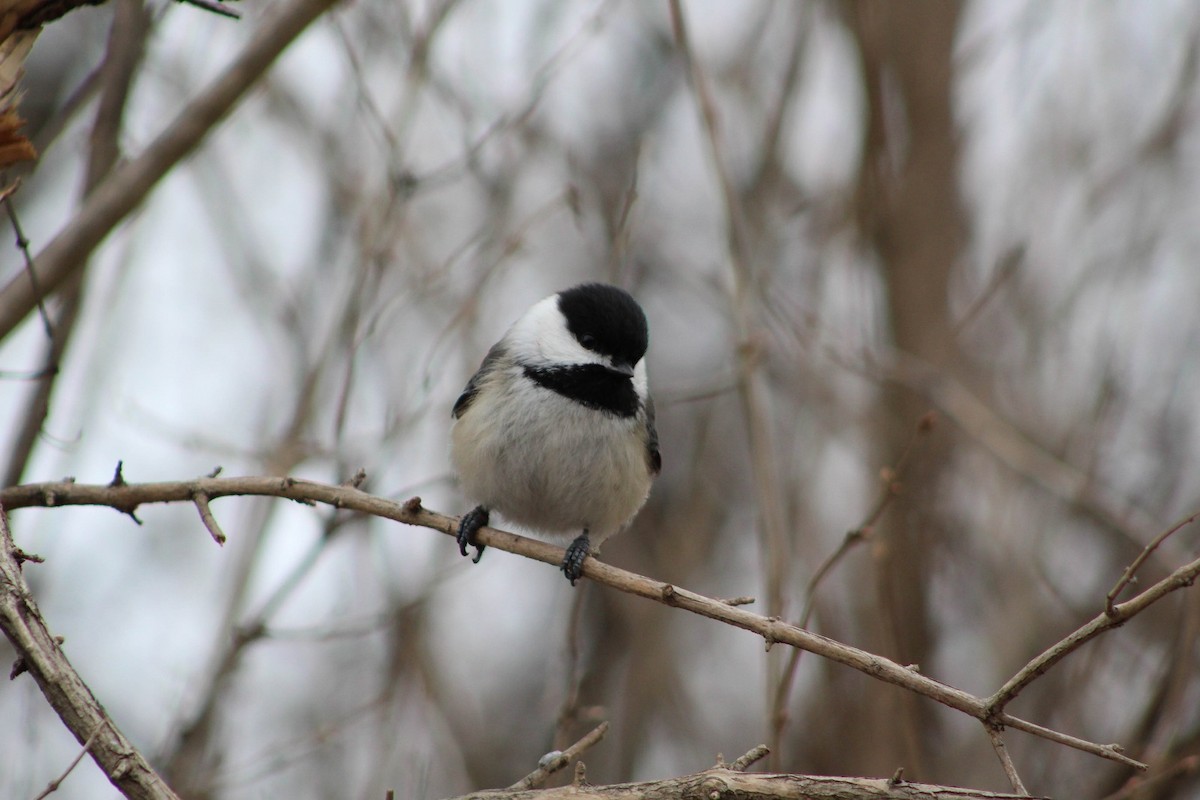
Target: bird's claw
468,526
577,552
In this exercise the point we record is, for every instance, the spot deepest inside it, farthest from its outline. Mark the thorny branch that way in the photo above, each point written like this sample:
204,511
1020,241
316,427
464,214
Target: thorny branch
127,497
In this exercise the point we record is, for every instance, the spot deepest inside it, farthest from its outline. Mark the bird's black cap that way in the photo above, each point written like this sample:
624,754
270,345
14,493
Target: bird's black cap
606,320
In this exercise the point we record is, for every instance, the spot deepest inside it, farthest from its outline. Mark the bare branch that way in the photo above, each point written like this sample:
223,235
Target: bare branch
206,516
891,488
727,782
131,182
42,656
52,787
1107,620
1006,761
1127,576
128,496
560,759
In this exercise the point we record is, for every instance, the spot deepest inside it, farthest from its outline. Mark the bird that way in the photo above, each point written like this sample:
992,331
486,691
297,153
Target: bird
556,430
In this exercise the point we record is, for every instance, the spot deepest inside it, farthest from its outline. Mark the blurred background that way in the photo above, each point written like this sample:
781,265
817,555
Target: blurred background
839,217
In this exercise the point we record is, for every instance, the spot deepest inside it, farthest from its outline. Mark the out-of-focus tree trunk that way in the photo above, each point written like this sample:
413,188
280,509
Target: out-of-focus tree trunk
909,213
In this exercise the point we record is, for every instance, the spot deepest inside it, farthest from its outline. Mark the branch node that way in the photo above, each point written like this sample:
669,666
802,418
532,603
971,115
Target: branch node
216,471
897,777
742,600
769,633
668,594
22,557
118,478
580,778
18,667
357,479
412,505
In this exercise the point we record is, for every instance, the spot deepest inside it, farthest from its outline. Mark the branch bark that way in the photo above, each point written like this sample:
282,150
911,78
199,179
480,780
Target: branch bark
127,497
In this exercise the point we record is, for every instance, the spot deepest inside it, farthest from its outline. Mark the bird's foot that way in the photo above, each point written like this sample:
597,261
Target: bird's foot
577,551
468,526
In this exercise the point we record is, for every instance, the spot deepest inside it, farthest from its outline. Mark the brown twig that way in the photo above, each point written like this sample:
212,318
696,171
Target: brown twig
129,184
560,759
1121,613
568,713
52,787
42,657
23,245
1006,761
891,488
749,758
1127,576
752,388
206,516
1137,788
772,630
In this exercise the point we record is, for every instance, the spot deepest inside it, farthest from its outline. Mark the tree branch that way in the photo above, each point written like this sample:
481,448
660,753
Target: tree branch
727,782
553,762
42,657
127,497
130,183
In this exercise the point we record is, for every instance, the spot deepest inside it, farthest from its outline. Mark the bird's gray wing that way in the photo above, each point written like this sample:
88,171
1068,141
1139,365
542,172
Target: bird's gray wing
472,388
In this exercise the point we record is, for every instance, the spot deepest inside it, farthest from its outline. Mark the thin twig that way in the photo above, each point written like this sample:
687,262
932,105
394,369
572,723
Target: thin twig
1006,761
23,246
52,787
1112,617
891,488
215,7
569,711
750,757
129,184
1127,576
559,760
987,710
752,389
1138,787
206,516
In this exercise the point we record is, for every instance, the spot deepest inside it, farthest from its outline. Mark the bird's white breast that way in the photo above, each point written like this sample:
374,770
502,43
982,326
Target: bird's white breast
548,463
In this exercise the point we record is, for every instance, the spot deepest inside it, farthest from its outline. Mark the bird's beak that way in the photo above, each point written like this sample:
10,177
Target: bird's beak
623,367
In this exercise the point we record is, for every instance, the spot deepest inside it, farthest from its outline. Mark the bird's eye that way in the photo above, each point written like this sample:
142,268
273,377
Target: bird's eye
588,341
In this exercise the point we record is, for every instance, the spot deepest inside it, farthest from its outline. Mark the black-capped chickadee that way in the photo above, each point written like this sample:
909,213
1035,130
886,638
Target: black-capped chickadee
556,429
